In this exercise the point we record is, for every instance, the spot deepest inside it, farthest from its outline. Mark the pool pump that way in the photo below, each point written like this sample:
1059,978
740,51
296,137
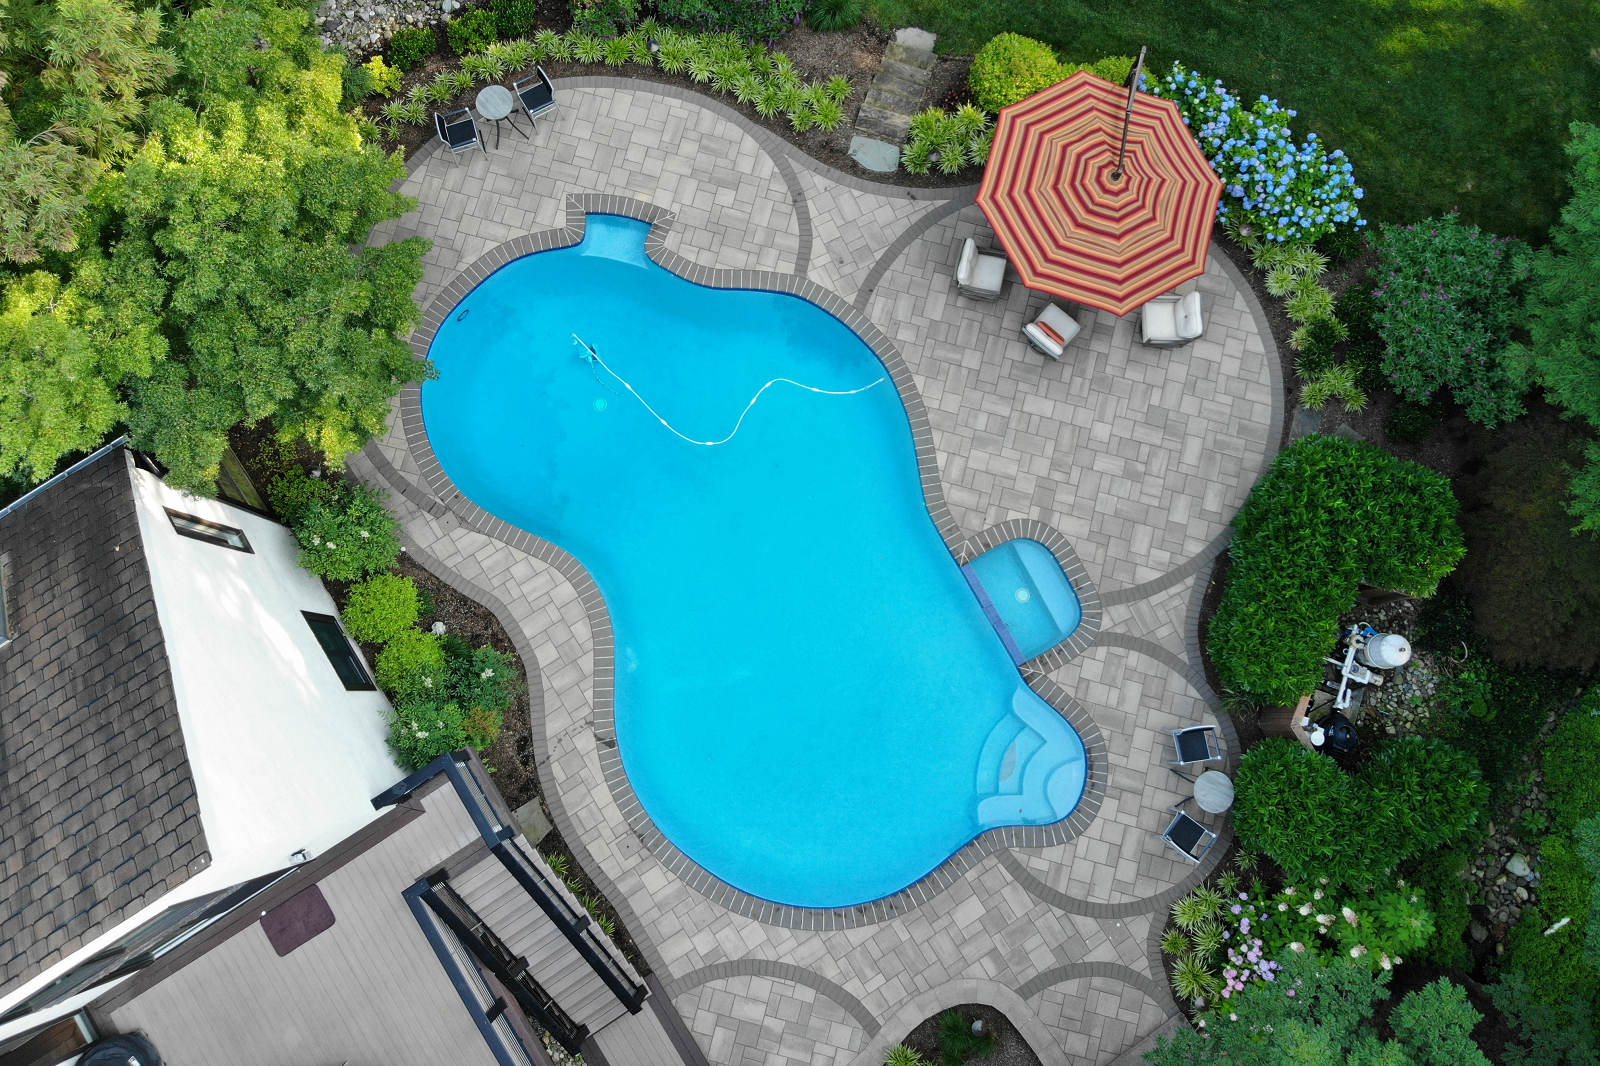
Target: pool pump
1366,653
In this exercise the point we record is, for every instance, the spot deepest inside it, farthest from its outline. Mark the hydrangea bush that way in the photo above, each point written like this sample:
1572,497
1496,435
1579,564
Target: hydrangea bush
1287,191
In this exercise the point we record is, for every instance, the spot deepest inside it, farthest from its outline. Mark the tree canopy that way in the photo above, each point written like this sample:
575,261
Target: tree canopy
178,205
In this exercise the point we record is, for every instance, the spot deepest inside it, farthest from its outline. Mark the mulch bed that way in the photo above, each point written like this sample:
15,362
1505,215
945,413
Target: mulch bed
511,757
817,56
1010,1048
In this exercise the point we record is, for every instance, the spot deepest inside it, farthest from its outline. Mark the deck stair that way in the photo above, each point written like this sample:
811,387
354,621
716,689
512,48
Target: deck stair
504,904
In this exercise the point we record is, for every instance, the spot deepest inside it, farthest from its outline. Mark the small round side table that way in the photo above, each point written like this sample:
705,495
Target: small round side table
1213,791
495,102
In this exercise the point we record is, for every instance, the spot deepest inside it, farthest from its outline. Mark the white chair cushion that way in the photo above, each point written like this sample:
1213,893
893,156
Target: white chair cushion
988,274
1040,340
969,252
1189,325
1158,320
1060,321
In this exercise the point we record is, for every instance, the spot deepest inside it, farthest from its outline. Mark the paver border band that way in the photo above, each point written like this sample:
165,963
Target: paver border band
578,207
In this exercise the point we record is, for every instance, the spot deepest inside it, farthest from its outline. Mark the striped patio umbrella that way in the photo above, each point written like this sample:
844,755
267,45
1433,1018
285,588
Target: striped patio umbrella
1069,225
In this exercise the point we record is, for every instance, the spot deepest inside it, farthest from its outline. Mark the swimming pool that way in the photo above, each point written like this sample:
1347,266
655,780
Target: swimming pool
1035,604
810,702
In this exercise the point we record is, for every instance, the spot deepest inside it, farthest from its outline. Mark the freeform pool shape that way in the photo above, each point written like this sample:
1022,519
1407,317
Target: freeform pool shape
810,702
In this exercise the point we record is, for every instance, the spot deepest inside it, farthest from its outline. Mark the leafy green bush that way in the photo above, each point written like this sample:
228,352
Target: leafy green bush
293,492
481,680
1434,1025
1535,586
1448,300
1546,1036
1572,765
412,666
828,15
1557,962
347,537
411,46
379,608
1295,805
471,32
514,18
385,79
1012,67
1330,514
1436,874
762,21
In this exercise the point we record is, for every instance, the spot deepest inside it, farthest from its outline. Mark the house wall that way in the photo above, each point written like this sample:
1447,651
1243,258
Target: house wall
283,756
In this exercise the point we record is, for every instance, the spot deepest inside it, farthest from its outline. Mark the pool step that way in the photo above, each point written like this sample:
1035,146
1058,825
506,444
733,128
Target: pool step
1032,770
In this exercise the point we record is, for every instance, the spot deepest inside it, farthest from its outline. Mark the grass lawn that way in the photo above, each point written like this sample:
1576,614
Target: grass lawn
1439,103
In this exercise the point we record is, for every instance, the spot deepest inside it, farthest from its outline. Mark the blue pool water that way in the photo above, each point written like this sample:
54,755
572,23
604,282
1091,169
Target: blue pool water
809,701
1030,592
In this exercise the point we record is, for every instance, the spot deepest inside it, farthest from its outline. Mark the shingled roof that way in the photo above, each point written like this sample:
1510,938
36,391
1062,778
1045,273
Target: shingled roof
98,811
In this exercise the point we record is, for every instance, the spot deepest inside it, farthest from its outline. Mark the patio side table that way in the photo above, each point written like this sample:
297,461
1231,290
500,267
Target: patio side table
1213,791
495,103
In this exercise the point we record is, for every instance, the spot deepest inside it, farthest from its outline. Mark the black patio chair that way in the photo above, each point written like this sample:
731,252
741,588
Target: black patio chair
1188,837
1196,744
459,131
537,95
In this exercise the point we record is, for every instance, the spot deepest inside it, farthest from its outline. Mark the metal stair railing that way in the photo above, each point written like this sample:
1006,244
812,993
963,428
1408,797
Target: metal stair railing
498,959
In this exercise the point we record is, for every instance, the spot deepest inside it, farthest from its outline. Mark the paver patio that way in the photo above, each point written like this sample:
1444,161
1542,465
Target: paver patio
1139,456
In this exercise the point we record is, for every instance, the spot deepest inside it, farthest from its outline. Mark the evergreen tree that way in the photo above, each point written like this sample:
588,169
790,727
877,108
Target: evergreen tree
1563,350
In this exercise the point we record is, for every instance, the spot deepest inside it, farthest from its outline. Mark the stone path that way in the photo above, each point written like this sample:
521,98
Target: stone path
896,95
1139,456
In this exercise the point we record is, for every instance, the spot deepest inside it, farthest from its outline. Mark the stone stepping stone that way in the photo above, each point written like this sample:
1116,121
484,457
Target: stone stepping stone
897,92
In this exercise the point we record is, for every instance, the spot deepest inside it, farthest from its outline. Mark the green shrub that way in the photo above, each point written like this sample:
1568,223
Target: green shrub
1296,806
1546,1036
411,46
412,666
1330,514
602,17
379,608
349,536
422,730
471,32
1434,1025
1535,585
385,79
828,15
961,140
1495,714
763,21
293,492
1557,963
1011,68
1572,766
1437,874
1410,421
1448,300
481,680
356,84
514,18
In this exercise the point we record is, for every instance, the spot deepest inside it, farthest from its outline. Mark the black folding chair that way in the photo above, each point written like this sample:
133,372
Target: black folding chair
537,95
1188,837
1196,744
458,131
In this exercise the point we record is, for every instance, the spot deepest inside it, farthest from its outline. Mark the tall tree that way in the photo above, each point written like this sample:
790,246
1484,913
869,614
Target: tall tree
1563,350
246,213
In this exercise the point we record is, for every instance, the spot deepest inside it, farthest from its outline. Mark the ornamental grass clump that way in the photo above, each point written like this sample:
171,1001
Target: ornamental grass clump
950,141
1449,297
1330,514
1289,192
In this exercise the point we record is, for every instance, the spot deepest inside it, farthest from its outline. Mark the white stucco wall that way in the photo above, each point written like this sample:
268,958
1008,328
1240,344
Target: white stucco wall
283,756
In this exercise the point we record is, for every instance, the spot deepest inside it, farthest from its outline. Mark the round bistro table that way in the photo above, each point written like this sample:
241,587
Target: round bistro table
1213,791
495,103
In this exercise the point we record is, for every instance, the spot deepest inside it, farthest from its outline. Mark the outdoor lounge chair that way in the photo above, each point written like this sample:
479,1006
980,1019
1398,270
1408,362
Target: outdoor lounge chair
537,95
1171,321
1188,837
458,131
1052,331
1196,744
978,275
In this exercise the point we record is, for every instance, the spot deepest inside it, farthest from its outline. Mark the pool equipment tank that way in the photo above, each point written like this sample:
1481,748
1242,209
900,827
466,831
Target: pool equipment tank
1384,651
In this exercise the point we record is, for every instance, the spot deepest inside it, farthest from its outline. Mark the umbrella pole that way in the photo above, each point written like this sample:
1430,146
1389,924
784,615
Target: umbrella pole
1127,118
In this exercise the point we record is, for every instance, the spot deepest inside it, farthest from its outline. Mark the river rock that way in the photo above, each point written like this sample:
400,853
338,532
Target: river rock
1479,933
1517,866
